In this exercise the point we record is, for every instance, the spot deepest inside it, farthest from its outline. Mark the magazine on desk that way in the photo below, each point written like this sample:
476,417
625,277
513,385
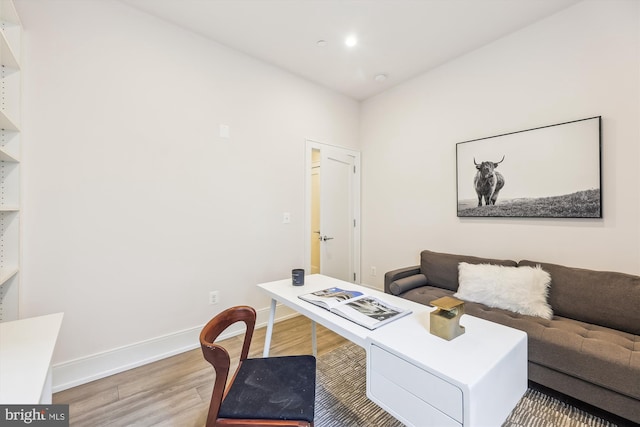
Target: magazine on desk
365,310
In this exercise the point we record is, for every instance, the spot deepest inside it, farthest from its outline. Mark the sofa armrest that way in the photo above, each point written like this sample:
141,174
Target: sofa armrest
400,273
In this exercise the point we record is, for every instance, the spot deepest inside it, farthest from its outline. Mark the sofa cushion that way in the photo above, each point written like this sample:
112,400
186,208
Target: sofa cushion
519,289
426,294
603,298
602,356
442,269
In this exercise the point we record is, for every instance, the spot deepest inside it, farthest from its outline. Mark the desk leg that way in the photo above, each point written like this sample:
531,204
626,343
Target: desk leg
267,339
314,342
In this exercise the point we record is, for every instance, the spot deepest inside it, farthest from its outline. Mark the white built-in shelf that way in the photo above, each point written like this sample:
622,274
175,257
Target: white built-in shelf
7,57
7,274
6,157
10,31
8,12
7,123
10,142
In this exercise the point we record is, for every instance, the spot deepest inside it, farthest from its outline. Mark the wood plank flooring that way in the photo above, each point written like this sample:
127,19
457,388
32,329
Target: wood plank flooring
176,391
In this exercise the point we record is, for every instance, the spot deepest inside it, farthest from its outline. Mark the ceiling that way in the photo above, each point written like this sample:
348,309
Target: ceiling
397,38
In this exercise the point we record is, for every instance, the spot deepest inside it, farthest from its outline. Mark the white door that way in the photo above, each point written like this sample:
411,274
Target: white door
339,209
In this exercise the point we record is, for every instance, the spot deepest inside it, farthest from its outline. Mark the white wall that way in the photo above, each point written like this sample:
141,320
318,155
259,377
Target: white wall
134,208
579,63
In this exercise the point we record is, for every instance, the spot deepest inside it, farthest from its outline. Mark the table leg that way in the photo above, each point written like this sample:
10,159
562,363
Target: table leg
267,339
314,342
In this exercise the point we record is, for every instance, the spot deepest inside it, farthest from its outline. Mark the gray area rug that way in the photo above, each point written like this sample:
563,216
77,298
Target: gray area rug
341,399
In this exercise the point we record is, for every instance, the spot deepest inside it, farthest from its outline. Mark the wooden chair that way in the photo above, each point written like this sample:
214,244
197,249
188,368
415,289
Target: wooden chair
272,391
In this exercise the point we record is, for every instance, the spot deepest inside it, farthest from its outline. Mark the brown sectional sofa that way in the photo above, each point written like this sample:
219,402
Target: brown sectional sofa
589,350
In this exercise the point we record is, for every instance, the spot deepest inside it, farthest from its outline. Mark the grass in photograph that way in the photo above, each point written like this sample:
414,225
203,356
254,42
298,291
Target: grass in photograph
581,204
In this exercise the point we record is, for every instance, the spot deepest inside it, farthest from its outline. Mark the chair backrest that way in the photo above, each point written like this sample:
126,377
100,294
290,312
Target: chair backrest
218,356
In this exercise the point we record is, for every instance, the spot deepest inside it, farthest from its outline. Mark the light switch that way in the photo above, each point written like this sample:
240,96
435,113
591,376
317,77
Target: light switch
286,218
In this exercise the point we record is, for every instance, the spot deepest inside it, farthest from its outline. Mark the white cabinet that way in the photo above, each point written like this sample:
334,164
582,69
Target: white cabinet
25,360
412,393
10,76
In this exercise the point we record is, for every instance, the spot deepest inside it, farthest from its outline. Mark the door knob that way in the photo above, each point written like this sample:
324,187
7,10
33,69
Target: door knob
325,238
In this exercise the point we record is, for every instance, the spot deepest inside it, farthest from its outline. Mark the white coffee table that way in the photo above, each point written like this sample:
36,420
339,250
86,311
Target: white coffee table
421,379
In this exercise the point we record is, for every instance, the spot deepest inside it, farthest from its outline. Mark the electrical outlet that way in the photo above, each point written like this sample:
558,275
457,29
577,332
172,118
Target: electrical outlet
373,271
214,297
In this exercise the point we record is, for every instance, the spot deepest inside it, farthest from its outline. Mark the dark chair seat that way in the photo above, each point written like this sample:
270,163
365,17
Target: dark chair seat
271,391
274,388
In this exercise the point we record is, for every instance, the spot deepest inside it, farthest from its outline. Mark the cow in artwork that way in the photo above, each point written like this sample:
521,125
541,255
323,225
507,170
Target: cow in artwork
488,182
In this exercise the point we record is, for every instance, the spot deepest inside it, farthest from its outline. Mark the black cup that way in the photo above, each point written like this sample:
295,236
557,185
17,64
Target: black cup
297,276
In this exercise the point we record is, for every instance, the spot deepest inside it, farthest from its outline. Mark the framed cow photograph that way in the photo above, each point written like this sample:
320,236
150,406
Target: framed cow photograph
547,172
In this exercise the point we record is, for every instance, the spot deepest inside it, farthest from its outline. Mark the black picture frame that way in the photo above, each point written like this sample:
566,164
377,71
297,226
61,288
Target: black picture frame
551,171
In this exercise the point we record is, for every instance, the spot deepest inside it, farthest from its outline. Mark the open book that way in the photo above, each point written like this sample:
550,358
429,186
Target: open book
365,310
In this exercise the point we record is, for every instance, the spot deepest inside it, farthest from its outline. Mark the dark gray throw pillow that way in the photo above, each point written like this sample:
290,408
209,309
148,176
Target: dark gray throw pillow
401,286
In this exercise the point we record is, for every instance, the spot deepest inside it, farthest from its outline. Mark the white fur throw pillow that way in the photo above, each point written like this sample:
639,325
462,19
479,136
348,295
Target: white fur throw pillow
522,290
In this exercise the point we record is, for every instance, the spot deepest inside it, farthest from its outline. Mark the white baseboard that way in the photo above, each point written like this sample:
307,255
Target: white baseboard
90,368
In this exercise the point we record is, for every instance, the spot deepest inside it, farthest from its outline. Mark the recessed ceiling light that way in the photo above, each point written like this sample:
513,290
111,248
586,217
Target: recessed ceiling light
321,43
381,77
351,41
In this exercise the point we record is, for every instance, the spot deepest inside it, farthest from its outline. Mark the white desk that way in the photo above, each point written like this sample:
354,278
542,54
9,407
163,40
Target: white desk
423,380
475,379
26,348
284,292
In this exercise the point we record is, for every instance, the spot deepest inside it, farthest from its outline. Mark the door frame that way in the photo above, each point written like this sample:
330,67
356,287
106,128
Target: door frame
310,145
